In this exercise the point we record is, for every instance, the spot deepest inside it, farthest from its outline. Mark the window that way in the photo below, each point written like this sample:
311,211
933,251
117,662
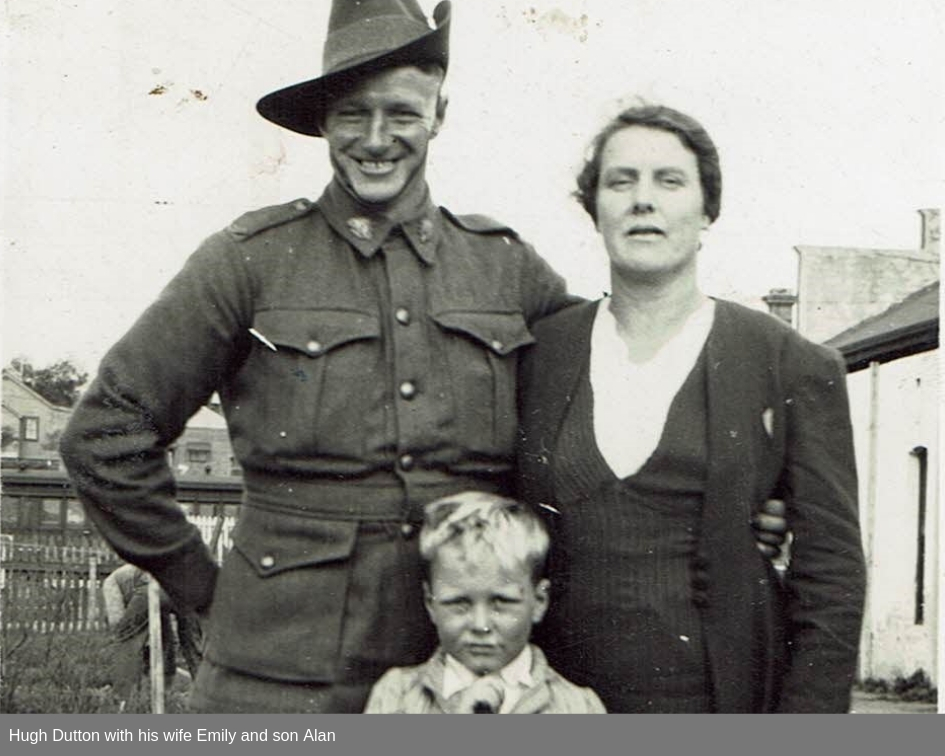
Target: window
922,456
75,515
50,514
198,454
10,511
29,428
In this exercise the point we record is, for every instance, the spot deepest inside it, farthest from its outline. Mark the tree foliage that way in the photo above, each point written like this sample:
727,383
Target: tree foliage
58,383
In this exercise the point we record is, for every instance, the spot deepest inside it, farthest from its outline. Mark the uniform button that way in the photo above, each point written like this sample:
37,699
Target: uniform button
267,561
496,345
314,346
407,530
402,315
406,462
408,390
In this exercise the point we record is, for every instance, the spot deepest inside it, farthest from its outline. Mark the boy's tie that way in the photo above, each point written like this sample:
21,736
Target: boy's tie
484,696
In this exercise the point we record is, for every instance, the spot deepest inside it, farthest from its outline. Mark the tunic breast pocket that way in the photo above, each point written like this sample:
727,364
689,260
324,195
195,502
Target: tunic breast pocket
309,367
482,358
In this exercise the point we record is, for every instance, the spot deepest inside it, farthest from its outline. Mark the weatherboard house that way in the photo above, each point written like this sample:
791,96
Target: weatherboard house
893,381
880,308
31,425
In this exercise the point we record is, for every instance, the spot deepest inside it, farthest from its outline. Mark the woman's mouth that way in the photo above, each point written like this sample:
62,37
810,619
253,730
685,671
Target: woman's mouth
645,231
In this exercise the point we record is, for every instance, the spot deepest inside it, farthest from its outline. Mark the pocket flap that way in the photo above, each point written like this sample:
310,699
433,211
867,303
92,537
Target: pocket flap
501,332
315,332
273,542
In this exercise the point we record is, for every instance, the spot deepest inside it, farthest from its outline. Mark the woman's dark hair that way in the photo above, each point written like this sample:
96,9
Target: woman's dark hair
689,131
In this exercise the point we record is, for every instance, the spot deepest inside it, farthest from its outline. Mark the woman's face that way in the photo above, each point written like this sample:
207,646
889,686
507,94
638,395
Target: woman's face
650,208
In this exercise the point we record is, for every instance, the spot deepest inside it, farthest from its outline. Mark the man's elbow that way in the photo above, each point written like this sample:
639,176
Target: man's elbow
73,445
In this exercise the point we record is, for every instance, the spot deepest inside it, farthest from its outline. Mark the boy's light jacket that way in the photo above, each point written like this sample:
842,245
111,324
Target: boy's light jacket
416,690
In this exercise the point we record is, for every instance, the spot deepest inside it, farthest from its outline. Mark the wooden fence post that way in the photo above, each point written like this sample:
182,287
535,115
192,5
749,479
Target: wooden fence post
92,605
156,647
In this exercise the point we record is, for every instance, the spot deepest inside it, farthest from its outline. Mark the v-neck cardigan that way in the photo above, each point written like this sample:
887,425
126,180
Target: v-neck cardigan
778,427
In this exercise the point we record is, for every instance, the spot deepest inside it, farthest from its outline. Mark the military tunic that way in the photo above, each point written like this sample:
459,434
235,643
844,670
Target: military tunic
364,368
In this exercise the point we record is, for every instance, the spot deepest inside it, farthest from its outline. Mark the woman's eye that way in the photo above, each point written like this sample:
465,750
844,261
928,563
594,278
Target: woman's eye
622,183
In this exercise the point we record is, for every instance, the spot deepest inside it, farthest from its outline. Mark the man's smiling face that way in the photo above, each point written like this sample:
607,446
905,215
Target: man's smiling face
379,131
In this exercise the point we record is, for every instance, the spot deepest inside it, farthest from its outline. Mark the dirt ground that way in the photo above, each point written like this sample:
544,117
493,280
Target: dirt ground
871,703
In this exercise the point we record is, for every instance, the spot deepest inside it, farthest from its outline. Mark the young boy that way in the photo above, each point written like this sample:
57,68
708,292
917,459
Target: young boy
484,557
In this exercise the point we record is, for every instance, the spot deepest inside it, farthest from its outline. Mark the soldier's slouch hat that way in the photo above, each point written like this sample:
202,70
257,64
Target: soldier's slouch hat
364,36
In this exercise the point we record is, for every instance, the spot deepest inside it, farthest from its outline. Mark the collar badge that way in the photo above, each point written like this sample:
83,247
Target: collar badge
361,228
426,230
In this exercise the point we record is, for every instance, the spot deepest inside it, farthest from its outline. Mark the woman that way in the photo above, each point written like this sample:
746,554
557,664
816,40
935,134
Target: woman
672,415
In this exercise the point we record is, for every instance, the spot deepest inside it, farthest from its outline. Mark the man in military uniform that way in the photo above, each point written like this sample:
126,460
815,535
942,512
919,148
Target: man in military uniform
364,347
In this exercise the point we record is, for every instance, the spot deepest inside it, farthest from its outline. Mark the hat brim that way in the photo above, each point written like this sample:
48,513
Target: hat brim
302,107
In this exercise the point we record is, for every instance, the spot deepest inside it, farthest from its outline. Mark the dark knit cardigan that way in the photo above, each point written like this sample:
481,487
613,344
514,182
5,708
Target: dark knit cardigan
779,427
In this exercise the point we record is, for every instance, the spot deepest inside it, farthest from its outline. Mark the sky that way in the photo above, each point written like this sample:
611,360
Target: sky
130,135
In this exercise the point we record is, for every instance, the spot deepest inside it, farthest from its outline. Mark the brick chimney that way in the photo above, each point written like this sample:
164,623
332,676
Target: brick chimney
931,230
781,304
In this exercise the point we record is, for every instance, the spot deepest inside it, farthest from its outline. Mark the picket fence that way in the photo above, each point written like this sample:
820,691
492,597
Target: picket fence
48,588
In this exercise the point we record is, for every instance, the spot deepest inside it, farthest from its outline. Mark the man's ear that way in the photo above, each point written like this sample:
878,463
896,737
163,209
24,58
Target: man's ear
428,598
441,102
542,591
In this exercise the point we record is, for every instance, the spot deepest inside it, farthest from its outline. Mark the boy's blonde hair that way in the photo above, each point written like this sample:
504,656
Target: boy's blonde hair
477,522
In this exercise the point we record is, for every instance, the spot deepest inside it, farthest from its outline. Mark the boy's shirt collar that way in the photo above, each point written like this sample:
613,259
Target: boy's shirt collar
516,677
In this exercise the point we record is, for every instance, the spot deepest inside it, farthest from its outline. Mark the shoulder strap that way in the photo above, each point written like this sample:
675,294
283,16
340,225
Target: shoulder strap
479,224
251,223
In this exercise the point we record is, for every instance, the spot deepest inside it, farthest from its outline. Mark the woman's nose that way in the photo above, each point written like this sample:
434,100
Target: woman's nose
643,198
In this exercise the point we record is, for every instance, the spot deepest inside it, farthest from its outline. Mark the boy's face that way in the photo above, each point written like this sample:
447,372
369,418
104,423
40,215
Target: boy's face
483,612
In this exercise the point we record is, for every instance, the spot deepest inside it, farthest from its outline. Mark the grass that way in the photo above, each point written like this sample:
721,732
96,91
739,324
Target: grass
71,674
917,687
64,673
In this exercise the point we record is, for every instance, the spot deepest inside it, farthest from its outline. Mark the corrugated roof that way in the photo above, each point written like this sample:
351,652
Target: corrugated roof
905,328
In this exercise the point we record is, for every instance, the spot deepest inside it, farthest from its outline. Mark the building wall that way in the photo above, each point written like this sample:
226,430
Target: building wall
840,287
19,402
205,432
895,409
188,452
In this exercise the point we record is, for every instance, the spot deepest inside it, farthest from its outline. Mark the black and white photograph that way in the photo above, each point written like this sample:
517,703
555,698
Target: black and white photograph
418,356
